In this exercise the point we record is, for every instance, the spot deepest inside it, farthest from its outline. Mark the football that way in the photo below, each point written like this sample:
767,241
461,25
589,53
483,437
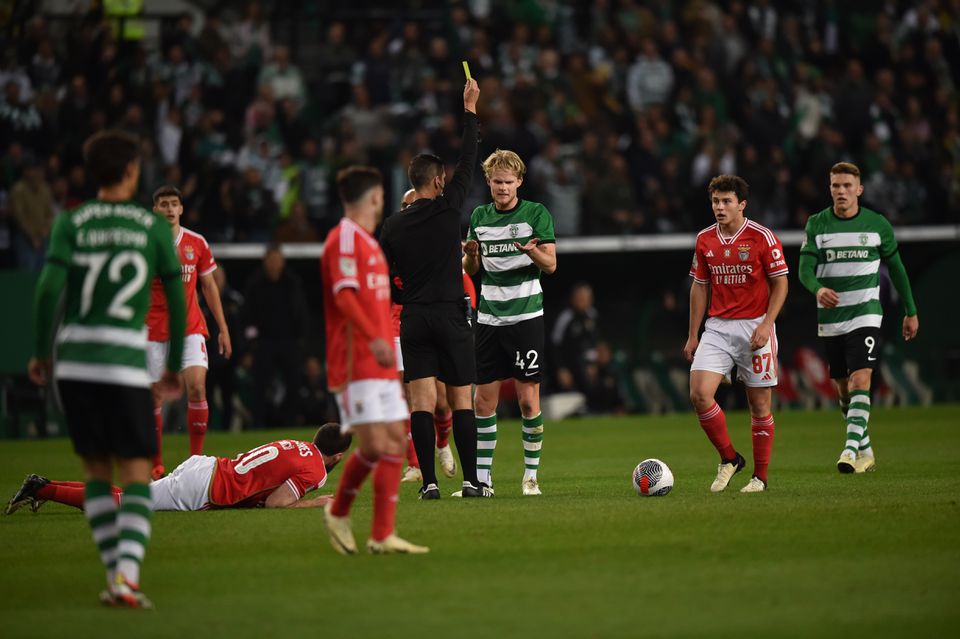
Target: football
652,478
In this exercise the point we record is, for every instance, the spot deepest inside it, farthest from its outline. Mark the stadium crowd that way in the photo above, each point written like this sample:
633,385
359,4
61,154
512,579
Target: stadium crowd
623,110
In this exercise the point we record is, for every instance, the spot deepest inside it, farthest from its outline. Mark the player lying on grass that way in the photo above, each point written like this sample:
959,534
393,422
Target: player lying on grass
275,475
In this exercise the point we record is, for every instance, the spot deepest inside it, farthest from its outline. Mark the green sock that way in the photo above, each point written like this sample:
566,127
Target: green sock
486,444
133,522
101,512
858,416
532,443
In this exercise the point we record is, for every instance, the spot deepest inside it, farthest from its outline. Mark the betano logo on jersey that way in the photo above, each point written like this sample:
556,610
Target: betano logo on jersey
494,249
850,254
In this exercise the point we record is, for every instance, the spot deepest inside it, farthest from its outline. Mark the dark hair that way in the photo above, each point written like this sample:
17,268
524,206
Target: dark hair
330,441
107,154
167,190
423,168
729,183
353,182
845,167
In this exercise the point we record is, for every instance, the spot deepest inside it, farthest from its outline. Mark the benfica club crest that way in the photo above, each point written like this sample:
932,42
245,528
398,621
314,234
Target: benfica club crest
744,252
188,253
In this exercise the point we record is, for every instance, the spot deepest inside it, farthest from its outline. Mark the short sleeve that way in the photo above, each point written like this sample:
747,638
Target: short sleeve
774,263
888,243
168,264
698,267
311,476
543,226
60,251
342,265
809,245
206,264
472,231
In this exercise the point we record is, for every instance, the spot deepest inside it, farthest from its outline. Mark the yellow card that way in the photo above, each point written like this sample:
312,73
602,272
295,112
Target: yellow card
466,70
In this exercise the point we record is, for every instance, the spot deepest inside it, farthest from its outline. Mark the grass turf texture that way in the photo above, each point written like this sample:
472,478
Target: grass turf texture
819,554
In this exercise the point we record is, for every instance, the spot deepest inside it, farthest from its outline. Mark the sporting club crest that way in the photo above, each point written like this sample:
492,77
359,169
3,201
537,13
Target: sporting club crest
864,238
514,230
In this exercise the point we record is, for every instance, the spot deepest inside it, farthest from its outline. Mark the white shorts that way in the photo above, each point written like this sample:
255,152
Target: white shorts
369,401
726,342
187,487
194,354
396,347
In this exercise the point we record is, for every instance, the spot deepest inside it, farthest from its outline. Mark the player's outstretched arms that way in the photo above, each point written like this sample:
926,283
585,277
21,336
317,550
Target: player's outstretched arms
543,255
911,324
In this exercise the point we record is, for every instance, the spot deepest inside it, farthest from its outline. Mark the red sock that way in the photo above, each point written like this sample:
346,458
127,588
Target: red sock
714,424
762,431
443,424
197,414
158,420
354,472
70,493
412,460
386,485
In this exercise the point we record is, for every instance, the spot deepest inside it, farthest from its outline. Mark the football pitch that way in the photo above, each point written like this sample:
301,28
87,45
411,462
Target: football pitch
818,554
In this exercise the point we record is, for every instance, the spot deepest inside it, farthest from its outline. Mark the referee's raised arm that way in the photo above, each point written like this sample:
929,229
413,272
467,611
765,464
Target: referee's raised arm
456,191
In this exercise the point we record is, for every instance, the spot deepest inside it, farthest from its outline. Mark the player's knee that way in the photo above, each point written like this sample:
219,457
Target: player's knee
529,407
859,380
700,399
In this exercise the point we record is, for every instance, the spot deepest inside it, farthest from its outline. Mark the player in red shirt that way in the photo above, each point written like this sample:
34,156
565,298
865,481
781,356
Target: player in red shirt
275,475
196,263
743,265
361,366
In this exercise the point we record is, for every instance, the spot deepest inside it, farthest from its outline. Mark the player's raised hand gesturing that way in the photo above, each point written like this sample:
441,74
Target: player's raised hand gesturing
528,247
471,93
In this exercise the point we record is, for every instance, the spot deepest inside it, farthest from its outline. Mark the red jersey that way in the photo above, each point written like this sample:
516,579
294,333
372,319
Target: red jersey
737,269
352,259
248,479
195,260
395,309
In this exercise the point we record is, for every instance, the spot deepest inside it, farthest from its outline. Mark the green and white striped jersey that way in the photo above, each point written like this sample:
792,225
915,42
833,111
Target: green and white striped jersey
848,253
111,252
510,290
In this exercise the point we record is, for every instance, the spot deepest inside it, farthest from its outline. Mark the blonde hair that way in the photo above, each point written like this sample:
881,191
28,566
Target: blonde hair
845,167
501,160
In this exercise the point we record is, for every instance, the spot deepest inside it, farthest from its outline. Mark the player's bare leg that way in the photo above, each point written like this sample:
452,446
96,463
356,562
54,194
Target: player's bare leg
486,398
336,514
443,425
703,389
423,399
857,455
528,395
195,378
158,470
761,428
412,473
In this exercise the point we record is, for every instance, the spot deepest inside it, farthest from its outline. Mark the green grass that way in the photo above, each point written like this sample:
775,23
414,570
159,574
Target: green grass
819,554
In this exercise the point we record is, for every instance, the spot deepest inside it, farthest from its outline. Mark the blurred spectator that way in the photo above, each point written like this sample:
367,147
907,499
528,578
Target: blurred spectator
603,383
222,374
283,78
274,317
574,340
32,205
315,404
296,228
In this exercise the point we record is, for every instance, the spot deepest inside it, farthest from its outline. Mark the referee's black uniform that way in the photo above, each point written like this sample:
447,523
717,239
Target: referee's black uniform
422,247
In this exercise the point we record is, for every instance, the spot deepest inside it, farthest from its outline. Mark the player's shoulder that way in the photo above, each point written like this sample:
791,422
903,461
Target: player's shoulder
821,217
707,234
193,237
760,230
534,208
872,216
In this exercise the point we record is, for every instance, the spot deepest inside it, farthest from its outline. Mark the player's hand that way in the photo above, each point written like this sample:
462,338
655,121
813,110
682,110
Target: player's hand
226,348
38,370
827,297
690,348
382,352
528,247
471,248
761,335
911,324
168,388
471,93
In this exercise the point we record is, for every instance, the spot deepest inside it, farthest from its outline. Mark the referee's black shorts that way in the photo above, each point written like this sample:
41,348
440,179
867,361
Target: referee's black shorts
108,420
436,341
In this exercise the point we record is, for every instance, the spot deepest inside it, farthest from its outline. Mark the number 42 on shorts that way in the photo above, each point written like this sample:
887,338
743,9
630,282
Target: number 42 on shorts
528,363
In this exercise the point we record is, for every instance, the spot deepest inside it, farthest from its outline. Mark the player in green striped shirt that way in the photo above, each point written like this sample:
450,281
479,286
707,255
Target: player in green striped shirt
840,264
514,241
103,256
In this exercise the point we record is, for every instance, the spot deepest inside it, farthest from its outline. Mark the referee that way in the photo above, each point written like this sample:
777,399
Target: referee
422,246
